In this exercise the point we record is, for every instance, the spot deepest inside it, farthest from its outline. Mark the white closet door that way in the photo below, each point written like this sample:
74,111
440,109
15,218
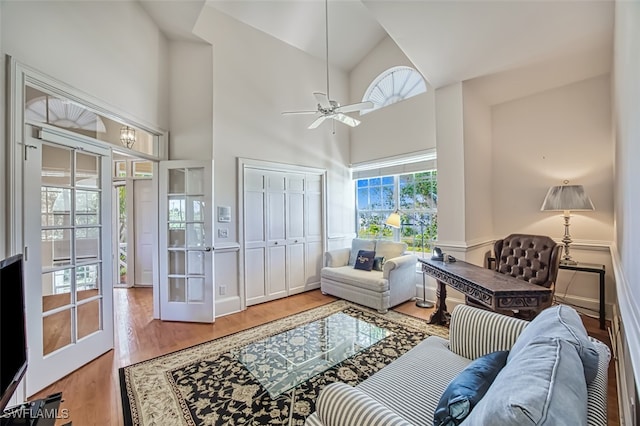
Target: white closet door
283,232
276,236
314,249
295,201
255,236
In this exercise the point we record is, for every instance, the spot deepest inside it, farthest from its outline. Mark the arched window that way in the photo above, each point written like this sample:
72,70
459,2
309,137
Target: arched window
394,85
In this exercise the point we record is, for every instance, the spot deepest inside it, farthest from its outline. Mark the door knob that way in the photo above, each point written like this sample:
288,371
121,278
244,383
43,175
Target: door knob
207,248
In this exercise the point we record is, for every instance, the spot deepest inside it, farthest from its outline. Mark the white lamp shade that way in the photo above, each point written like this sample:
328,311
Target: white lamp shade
566,197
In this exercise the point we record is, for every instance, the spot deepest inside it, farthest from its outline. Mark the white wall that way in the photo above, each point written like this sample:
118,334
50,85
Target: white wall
540,140
627,173
451,167
477,168
404,127
255,78
111,50
191,106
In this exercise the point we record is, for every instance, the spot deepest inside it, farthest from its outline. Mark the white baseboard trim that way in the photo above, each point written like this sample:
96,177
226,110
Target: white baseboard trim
227,306
630,318
585,305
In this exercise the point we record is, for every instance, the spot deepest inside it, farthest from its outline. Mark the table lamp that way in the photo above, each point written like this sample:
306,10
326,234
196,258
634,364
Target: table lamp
566,198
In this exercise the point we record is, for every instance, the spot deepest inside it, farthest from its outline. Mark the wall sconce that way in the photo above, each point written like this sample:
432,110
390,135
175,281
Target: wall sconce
565,198
127,136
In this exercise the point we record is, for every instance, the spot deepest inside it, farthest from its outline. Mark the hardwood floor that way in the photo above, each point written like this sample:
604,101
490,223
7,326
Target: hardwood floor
92,393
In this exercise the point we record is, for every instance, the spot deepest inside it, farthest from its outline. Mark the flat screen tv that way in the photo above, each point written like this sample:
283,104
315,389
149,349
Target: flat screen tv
13,342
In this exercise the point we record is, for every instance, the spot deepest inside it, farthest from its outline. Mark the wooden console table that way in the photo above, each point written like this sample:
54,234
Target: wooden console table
490,288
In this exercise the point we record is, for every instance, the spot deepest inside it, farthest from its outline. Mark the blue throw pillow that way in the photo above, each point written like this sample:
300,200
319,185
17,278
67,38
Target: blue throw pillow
378,263
364,260
467,388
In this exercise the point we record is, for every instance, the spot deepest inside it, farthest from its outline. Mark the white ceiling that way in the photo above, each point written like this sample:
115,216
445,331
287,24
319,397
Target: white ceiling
447,40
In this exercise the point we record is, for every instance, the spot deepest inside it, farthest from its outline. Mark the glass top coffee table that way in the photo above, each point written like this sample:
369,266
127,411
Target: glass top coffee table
285,360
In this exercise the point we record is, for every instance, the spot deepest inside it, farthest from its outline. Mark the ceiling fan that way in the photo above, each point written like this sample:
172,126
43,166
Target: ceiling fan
326,107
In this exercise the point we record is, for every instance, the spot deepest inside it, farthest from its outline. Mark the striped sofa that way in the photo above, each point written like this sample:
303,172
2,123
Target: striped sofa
407,391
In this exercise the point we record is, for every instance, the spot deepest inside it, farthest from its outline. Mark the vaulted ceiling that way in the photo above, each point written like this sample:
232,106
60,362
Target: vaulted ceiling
447,41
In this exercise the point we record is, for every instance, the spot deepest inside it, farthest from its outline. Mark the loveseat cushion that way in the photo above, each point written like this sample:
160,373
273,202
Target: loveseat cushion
390,249
371,280
543,384
358,244
563,322
468,388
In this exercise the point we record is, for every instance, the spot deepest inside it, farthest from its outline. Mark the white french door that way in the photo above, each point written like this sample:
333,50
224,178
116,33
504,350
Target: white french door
186,241
68,254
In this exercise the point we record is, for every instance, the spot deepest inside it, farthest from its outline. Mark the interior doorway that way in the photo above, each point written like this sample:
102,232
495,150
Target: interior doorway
135,206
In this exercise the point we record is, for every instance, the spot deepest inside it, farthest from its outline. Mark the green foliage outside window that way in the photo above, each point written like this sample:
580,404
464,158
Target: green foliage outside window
415,194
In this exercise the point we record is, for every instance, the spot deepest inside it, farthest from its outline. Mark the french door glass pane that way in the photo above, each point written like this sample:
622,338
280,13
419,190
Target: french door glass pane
195,208
176,262
55,292
87,281
176,181
56,331
88,318
176,237
195,235
196,263
196,289
56,248
56,165
177,290
87,170
195,181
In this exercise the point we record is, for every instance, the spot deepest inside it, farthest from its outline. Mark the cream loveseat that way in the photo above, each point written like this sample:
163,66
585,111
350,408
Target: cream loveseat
554,375
380,290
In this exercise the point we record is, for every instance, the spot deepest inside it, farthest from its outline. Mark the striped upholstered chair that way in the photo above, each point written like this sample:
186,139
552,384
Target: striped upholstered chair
531,258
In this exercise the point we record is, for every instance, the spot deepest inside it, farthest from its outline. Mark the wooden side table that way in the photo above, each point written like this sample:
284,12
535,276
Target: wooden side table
596,269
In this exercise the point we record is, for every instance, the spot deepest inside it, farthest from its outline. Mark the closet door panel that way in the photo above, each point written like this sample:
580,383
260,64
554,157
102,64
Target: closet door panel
314,230
313,264
255,236
296,266
255,266
277,255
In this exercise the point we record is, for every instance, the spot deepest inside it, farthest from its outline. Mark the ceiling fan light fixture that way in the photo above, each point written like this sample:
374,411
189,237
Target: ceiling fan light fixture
327,107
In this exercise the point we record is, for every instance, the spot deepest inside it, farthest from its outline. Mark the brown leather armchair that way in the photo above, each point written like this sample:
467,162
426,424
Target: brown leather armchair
532,258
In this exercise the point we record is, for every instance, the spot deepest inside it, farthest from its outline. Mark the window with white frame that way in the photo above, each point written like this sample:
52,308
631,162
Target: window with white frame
414,195
393,85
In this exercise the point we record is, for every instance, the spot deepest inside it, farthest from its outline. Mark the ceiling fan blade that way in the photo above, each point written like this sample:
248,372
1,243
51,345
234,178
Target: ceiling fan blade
349,121
322,99
355,107
318,121
298,112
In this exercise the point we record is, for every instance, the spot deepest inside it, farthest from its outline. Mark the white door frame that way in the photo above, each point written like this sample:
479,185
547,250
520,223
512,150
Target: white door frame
18,75
243,163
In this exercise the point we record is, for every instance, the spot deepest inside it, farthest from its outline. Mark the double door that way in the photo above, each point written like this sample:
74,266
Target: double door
283,233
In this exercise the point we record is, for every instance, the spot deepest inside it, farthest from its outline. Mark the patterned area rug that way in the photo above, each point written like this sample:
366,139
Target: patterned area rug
207,385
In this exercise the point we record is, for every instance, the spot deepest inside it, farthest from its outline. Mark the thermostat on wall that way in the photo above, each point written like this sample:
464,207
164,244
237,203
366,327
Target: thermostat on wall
224,214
